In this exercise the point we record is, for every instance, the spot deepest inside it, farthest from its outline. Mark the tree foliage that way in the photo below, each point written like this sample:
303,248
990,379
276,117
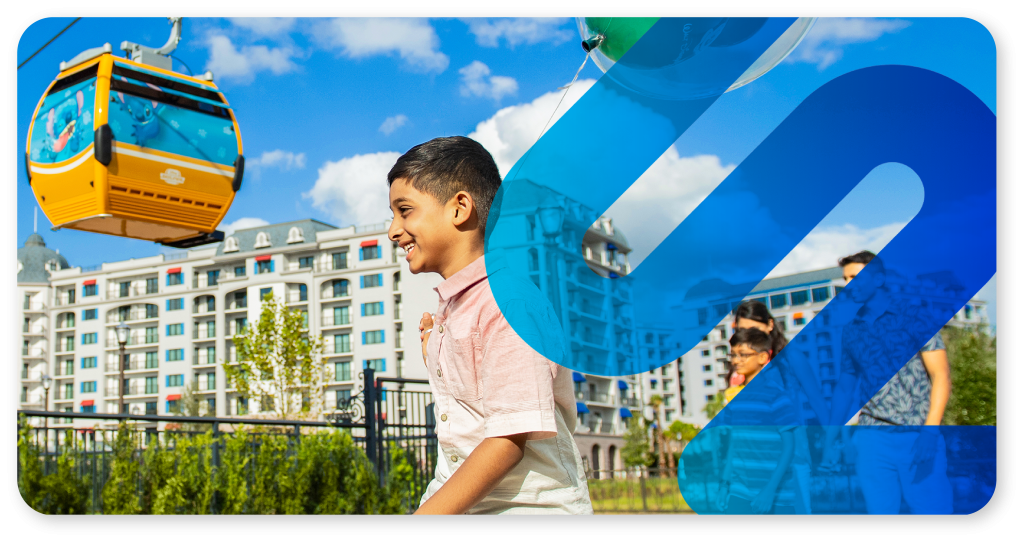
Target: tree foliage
636,449
279,363
972,363
63,492
121,492
715,405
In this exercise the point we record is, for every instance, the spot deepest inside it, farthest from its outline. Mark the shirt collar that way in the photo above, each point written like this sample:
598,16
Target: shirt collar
472,274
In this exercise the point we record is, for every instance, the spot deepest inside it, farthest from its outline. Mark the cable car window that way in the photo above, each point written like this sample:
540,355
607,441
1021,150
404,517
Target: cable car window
64,127
149,117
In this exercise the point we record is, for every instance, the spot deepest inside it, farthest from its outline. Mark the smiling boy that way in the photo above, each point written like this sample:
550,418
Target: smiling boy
505,414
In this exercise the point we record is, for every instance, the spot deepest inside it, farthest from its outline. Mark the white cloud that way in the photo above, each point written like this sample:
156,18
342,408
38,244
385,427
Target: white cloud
512,130
285,160
515,31
824,246
393,123
242,224
229,62
478,81
414,40
823,44
663,196
265,26
354,190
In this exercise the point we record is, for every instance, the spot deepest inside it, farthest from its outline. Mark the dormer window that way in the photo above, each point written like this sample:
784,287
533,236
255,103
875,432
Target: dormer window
262,240
230,245
295,235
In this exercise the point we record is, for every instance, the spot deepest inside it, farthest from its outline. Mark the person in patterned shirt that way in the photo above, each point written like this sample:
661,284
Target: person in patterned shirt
914,398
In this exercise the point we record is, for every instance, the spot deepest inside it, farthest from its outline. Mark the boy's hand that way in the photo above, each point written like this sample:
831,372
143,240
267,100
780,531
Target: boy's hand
426,326
763,502
723,497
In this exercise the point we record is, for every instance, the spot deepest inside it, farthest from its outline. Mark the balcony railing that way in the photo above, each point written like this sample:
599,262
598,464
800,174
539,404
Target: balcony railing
203,332
60,301
64,369
203,308
398,312
295,297
295,266
65,348
134,389
135,340
131,292
37,330
588,396
203,281
235,306
33,352
133,364
131,316
331,321
63,393
34,306
203,359
600,427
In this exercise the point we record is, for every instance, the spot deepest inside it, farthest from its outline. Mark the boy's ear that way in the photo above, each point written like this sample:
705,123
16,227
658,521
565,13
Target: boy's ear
462,207
763,358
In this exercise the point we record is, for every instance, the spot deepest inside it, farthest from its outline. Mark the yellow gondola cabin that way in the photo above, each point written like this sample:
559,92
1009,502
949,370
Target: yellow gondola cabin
127,149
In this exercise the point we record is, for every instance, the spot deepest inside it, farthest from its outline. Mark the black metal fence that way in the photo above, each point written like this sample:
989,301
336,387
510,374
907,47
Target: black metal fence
649,490
381,419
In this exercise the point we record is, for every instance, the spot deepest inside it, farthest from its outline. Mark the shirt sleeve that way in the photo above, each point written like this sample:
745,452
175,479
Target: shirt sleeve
935,343
517,383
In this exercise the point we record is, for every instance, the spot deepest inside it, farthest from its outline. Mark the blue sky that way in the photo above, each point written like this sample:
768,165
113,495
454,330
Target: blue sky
325,105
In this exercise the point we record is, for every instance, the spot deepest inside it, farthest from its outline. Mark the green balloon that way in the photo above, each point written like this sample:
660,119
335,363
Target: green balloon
620,33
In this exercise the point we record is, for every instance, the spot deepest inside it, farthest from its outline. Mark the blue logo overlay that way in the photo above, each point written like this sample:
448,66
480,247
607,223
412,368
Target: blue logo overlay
765,452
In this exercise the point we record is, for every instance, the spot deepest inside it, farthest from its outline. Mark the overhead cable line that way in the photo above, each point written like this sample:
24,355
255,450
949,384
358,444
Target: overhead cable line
48,43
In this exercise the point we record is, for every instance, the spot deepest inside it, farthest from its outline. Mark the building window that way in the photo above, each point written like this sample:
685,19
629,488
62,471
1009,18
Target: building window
151,285
373,337
175,329
152,360
709,397
370,281
303,293
820,294
88,386
175,380
152,311
172,406
342,371
211,406
88,362
708,382
339,261
125,289
175,355
798,297
342,343
373,309
230,245
702,315
89,339
174,304
212,278
265,266
705,353
305,262
799,320
89,315
239,271
295,235
87,290
707,367
341,315
340,287
264,292
262,240
341,397
88,409
151,408
779,300
211,381
369,253
376,364
175,279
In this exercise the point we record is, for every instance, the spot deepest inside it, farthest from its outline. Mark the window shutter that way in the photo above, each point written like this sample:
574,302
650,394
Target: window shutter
364,338
362,281
362,310
271,266
382,336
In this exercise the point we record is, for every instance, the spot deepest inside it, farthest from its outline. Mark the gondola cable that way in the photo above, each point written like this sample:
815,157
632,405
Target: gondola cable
49,42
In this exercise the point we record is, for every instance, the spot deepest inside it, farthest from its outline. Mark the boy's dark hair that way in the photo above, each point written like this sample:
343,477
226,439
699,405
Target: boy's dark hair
442,167
755,310
753,338
863,257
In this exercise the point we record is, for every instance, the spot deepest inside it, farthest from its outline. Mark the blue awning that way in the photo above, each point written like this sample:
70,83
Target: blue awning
613,275
625,413
582,408
654,382
623,385
578,377
612,247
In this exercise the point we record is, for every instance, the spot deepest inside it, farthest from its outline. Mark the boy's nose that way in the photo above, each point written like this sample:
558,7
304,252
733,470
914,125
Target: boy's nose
394,231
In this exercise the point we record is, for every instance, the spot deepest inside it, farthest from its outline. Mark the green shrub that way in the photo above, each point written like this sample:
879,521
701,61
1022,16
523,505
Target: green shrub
121,492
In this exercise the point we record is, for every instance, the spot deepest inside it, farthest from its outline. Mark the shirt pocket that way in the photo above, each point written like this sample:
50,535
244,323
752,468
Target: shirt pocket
461,357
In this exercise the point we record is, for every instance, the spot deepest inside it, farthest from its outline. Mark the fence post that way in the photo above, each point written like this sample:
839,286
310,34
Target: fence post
643,487
215,467
370,408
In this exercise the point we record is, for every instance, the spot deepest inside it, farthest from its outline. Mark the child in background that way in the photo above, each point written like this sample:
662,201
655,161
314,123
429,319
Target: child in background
757,476
505,414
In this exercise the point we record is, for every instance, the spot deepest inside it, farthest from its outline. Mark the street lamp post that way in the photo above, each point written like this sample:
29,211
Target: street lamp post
47,381
552,215
122,340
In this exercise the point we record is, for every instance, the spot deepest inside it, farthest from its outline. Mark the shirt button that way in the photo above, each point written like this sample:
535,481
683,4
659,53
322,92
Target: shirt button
455,458
444,418
438,372
440,328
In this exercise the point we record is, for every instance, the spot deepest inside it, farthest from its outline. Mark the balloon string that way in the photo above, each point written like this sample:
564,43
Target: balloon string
566,89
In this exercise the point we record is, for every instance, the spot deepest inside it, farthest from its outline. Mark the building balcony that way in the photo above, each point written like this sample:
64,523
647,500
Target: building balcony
203,359
203,281
117,317
334,323
134,389
296,298
131,292
629,402
34,352
64,348
62,301
594,397
294,266
63,370
64,394
133,365
237,306
37,330
202,332
34,307
134,341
